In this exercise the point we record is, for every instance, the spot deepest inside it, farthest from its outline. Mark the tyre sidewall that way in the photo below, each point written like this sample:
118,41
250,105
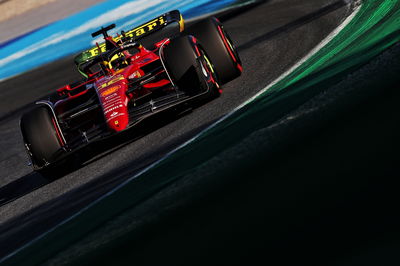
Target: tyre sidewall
40,137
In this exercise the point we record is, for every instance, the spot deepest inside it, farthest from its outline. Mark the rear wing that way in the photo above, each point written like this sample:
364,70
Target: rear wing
137,33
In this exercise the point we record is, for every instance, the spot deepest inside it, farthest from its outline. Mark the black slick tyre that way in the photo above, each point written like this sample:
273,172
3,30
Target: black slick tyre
42,141
189,67
219,47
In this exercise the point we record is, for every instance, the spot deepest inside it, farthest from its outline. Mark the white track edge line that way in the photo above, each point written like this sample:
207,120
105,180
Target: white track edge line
323,43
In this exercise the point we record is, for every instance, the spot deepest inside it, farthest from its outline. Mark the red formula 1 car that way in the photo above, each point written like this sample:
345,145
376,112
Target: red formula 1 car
128,78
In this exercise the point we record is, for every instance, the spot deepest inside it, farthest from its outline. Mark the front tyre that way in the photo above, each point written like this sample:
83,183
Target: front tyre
41,138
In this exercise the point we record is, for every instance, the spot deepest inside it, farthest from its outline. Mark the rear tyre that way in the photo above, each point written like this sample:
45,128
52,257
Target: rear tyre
41,138
220,48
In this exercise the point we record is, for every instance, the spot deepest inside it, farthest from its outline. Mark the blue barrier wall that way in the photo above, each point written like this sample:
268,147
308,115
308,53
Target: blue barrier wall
72,35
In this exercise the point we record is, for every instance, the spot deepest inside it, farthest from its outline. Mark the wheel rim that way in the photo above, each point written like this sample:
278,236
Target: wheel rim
208,69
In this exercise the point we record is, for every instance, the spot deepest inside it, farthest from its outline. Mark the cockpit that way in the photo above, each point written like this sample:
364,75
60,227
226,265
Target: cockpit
110,61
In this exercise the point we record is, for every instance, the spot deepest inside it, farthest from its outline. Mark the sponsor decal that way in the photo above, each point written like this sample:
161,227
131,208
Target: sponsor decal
135,74
149,26
112,96
119,71
114,117
113,108
110,90
145,60
110,82
112,103
137,32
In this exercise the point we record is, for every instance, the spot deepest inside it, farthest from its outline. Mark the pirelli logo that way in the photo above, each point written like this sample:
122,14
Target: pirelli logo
134,33
145,28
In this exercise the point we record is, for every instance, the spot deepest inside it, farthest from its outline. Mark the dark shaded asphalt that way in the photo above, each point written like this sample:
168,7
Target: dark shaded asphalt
321,189
271,38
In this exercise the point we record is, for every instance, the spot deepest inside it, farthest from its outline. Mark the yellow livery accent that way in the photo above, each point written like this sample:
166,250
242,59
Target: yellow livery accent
105,84
110,91
181,24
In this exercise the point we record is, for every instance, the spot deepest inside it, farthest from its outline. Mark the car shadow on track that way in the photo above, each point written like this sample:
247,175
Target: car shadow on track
33,181
66,204
21,186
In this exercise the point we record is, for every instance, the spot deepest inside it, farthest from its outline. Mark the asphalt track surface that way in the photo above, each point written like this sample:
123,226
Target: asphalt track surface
270,37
